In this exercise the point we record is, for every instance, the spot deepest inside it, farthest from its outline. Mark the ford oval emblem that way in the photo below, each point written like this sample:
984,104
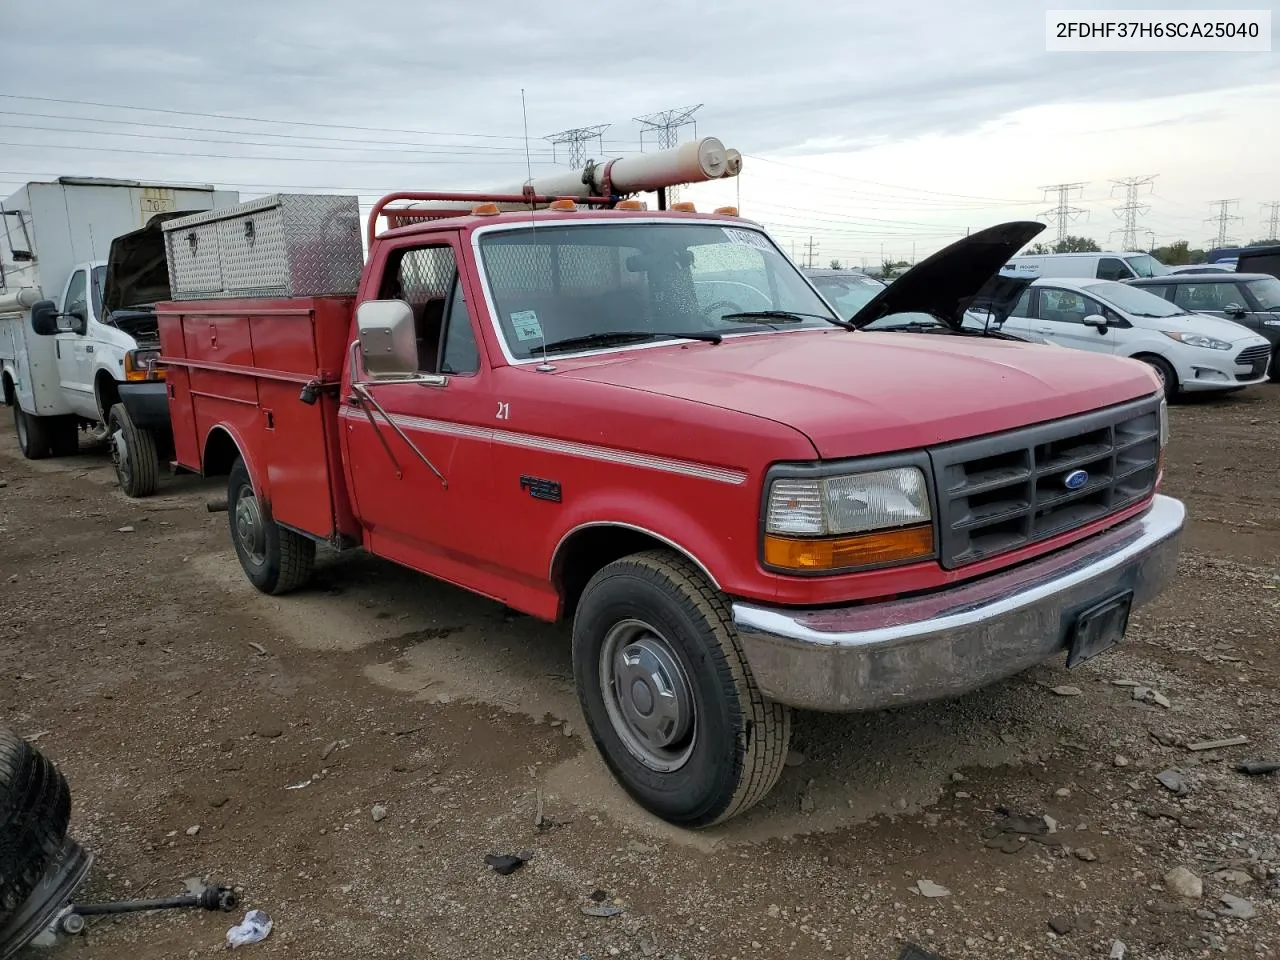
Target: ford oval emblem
1075,479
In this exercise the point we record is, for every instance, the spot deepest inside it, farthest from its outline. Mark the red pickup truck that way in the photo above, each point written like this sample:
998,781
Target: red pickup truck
650,425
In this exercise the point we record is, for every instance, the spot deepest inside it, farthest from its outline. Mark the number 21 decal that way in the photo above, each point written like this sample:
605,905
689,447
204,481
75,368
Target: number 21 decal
504,410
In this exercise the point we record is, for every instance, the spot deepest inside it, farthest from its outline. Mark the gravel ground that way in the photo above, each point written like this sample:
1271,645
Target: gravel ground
175,697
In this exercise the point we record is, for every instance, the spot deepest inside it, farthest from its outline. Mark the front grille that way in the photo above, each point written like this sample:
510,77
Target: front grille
1004,491
1256,358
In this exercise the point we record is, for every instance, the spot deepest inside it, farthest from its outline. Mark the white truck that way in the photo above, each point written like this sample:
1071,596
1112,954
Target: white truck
87,361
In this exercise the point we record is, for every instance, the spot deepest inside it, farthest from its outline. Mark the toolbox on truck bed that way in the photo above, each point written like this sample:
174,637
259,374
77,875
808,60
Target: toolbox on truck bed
285,245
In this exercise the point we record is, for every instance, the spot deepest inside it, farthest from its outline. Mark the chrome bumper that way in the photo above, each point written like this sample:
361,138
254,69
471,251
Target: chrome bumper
943,644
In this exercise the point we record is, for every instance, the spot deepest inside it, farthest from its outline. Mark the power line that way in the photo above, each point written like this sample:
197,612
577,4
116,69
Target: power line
1131,208
1223,219
1063,213
576,139
888,186
1271,211
231,116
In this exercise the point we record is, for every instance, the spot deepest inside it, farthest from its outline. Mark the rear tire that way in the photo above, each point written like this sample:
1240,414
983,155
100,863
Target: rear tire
133,453
35,808
275,559
668,695
33,435
1164,370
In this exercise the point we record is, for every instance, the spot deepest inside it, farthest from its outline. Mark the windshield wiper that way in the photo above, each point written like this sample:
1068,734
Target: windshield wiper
782,316
609,337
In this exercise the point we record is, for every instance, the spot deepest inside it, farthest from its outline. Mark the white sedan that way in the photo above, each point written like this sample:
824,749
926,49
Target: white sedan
1190,352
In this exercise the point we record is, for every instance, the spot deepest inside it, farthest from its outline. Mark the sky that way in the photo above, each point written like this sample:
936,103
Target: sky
877,131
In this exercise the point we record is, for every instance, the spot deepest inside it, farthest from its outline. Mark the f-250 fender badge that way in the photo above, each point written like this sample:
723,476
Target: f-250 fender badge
541,489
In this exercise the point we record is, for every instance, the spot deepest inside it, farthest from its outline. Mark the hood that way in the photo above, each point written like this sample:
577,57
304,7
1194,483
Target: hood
854,394
1260,260
946,283
137,271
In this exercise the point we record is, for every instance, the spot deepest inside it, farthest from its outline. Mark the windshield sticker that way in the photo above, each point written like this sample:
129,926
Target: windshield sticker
746,238
525,324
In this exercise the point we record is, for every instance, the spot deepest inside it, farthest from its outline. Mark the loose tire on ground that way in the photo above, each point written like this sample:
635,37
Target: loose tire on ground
35,808
275,560
728,753
33,435
133,453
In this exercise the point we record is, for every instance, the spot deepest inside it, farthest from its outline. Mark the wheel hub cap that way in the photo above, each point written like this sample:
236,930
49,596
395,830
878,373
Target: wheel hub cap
249,529
647,695
120,455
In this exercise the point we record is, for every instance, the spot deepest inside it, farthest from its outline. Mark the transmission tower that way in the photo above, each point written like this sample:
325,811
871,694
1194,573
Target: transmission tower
811,253
1131,208
665,126
576,140
1063,213
1224,219
1271,211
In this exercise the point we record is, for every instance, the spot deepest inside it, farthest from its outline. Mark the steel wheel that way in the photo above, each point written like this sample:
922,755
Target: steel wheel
647,696
251,534
121,459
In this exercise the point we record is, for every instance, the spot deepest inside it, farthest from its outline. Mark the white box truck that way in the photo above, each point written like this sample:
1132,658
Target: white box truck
94,362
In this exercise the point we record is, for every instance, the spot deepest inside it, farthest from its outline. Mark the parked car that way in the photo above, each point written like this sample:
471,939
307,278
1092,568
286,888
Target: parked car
1101,266
1189,351
1249,299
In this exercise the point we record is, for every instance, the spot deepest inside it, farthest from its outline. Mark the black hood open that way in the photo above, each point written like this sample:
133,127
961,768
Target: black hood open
959,277
137,272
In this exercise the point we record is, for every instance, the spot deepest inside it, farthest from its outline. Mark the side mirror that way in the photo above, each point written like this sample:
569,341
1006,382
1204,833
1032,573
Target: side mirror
388,340
44,318
1096,320
1234,310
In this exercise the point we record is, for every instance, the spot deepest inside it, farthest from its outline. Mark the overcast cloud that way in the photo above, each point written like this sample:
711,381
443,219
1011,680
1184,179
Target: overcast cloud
840,91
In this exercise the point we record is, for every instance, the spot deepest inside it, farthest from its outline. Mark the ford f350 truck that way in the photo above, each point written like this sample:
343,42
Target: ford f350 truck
92,359
648,424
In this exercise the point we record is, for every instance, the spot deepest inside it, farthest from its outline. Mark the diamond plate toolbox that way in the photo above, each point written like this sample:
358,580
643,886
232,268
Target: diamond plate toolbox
284,245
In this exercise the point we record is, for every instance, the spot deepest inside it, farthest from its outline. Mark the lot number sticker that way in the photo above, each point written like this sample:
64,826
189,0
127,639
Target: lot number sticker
525,324
746,238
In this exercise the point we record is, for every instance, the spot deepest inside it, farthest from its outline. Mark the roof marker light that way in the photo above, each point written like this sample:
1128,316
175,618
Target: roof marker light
727,211
564,203
629,205
485,210
684,206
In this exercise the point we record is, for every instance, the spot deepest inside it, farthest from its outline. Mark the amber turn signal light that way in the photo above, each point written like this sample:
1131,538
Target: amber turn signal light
135,374
857,550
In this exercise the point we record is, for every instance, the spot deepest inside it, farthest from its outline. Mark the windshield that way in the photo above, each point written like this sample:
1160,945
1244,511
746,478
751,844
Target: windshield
1133,300
848,293
1146,266
98,282
567,282
1266,292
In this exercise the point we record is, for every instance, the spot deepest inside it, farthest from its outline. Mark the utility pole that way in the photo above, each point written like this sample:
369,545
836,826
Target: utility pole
1131,208
665,127
1063,213
1271,211
575,139
812,255
1224,219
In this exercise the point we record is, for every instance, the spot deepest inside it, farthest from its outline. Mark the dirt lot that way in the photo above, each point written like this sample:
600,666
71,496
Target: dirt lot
175,697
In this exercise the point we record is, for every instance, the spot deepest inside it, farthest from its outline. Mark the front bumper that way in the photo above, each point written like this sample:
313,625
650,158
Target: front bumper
947,643
147,402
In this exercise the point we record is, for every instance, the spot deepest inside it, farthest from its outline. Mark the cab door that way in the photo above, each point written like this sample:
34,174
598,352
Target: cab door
74,351
410,514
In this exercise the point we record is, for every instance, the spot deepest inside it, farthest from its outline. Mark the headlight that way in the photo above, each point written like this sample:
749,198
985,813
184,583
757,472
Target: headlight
141,365
824,524
1197,340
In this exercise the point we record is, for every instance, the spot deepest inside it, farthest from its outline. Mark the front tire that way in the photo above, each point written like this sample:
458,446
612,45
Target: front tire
668,695
133,453
1274,373
275,559
33,435
1164,370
